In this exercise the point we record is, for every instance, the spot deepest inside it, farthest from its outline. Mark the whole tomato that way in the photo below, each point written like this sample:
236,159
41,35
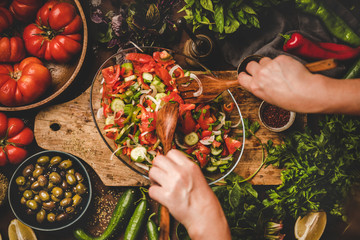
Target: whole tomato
6,19
25,10
11,49
56,34
23,83
13,136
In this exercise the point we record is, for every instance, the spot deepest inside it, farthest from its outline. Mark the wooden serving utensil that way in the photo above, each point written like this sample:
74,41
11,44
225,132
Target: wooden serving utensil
166,121
213,86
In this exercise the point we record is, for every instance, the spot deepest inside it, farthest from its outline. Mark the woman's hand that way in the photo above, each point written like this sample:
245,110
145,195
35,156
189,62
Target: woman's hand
286,83
179,184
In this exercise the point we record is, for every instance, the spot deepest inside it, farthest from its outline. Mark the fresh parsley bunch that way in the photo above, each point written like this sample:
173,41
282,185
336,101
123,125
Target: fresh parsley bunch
225,16
319,168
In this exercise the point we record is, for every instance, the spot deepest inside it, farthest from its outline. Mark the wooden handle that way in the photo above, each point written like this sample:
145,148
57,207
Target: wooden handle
164,223
322,65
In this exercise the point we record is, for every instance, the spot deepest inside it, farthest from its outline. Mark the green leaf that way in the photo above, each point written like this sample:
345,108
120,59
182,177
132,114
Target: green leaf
248,9
254,21
152,15
234,25
219,17
189,3
235,195
207,4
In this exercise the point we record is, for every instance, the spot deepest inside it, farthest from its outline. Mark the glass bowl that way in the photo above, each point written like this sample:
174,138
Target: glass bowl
15,194
119,58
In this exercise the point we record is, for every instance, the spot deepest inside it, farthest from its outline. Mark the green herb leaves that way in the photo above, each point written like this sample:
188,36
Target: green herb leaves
319,168
225,16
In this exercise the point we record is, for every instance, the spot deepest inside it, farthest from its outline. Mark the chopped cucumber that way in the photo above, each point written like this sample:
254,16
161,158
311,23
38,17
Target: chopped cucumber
218,138
130,78
220,162
117,104
211,168
159,96
160,87
109,120
191,139
128,66
216,151
134,87
138,154
148,77
187,73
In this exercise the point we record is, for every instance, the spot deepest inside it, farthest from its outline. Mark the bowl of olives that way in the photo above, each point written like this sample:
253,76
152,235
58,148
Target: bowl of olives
50,191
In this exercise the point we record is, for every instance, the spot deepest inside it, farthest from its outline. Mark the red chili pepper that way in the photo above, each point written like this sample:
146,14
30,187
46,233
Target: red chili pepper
301,46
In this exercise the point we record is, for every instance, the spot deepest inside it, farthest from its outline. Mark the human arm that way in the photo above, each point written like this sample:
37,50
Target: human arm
179,184
286,83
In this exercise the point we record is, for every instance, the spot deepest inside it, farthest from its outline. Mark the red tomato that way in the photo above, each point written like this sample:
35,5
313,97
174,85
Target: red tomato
23,83
14,137
174,97
56,34
139,57
187,122
162,57
6,19
205,119
25,10
163,75
216,144
148,120
11,49
206,133
110,134
232,145
148,139
202,154
111,74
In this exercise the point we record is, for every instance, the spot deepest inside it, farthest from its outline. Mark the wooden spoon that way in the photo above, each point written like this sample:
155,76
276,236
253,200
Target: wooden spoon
166,121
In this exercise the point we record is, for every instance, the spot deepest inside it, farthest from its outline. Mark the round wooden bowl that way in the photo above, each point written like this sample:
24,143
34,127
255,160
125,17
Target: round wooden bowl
62,74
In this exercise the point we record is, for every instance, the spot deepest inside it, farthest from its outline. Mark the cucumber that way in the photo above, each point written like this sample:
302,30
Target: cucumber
138,154
211,168
159,96
109,120
119,217
152,230
128,66
216,151
137,220
220,162
148,77
117,105
130,78
160,87
191,139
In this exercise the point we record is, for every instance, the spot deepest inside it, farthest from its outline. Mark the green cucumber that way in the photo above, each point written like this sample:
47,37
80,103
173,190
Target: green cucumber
128,66
138,154
191,138
152,230
211,168
147,77
119,217
216,151
117,105
130,78
137,220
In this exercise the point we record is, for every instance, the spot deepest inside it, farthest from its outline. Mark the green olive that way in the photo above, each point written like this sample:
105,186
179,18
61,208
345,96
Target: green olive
76,200
20,181
68,194
57,192
71,171
61,217
70,210
80,189
51,217
23,200
37,198
66,164
70,179
25,187
28,194
43,160
66,202
32,204
79,177
28,170
55,178
37,172
40,216
43,181
55,160
48,206
44,196
35,186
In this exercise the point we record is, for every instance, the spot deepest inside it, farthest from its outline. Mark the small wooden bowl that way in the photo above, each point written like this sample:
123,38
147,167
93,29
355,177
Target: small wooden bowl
274,129
62,74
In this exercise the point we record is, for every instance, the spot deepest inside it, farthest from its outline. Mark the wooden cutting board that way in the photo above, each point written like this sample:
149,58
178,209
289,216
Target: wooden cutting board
69,127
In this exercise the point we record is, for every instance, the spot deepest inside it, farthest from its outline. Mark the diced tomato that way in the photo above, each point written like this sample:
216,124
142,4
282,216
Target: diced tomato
203,148
111,74
163,75
187,122
202,154
120,121
206,133
110,134
174,97
142,83
216,144
148,139
148,120
225,152
232,145
162,57
139,57
185,107
106,109
205,119
229,107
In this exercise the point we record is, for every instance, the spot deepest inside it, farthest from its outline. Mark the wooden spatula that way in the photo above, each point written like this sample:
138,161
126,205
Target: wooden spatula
213,86
166,121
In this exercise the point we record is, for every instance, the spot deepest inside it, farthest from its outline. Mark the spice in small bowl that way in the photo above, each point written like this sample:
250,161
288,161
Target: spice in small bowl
275,118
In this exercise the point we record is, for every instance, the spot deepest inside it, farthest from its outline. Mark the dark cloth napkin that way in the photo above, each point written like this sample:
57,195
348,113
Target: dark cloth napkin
285,19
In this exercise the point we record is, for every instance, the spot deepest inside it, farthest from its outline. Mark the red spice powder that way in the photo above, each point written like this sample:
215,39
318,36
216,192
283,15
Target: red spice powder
274,116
